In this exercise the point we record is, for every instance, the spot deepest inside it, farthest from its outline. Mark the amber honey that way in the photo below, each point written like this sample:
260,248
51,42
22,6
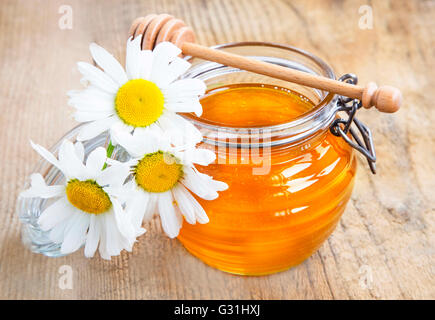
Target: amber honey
268,222
252,105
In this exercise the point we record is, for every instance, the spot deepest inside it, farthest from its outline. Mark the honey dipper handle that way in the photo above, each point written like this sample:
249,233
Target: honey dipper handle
385,99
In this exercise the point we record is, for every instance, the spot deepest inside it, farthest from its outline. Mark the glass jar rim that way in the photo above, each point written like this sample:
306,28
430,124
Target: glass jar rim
318,111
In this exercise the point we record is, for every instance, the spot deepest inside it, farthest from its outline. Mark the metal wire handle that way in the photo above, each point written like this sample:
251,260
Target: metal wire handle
341,127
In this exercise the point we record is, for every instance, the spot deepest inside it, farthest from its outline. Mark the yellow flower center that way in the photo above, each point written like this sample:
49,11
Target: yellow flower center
158,172
88,196
139,103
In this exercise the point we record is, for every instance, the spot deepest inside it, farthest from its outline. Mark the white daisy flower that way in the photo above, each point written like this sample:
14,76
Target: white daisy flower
162,176
145,97
89,210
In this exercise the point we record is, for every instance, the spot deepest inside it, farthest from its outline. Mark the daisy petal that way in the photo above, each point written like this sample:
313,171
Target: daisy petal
199,185
135,208
150,139
191,105
119,126
124,242
178,216
171,72
133,146
102,248
82,116
151,208
56,213
170,222
96,160
121,192
218,185
57,233
202,157
114,175
132,57
184,203
166,51
201,215
184,88
97,78
138,62
93,237
70,161
108,63
79,150
146,62
113,245
123,223
164,54
179,130
93,129
75,233
40,189
47,155
92,100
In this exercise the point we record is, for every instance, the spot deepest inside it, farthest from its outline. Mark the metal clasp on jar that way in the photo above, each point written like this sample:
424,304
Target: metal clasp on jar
341,127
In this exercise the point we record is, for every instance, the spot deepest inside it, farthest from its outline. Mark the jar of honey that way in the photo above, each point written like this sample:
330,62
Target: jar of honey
289,176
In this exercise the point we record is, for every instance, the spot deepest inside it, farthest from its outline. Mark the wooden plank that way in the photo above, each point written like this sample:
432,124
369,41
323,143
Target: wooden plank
388,228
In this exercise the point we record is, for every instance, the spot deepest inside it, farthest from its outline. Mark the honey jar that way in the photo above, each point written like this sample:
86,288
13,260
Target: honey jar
289,176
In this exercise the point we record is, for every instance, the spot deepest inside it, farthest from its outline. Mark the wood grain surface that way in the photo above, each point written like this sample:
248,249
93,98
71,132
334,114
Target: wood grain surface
384,245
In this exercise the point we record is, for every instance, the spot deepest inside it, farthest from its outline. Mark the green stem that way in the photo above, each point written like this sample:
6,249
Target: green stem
110,148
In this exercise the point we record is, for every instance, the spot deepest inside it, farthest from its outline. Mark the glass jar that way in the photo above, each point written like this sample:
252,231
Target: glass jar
29,209
288,183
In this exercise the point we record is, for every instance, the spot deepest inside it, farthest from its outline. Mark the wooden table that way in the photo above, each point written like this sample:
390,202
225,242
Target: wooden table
383,247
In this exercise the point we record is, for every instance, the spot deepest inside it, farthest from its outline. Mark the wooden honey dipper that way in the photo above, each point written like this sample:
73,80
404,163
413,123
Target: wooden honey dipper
164,27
